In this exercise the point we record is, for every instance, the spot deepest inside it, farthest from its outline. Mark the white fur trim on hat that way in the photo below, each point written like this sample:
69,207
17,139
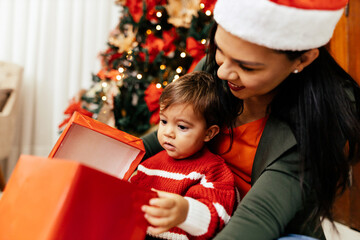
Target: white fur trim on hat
276,26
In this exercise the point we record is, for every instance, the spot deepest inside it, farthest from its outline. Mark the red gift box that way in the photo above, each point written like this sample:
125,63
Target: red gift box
100,146
57,199
80,191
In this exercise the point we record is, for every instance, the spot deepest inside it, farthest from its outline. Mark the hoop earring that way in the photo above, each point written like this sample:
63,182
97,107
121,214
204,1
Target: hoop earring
296,71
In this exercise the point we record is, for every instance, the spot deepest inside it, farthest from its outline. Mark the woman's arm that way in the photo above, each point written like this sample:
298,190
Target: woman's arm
151,144
274,206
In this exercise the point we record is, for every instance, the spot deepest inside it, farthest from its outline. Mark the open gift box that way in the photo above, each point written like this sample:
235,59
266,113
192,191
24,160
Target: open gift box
99,146
66,199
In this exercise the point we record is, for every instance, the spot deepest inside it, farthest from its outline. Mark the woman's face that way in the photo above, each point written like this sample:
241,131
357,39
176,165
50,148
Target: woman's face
251,71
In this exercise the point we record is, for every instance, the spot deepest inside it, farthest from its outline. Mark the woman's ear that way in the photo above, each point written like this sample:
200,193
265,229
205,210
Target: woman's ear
211,132
306,59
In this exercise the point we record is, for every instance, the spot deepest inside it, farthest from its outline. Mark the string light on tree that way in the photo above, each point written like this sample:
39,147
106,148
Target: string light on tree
183,54
104,84
150,47
179,69
121,70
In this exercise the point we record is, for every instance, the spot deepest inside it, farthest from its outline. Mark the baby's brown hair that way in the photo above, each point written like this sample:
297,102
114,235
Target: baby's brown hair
198,89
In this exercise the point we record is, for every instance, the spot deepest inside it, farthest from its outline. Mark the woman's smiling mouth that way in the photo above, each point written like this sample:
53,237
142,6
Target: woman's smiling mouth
234,87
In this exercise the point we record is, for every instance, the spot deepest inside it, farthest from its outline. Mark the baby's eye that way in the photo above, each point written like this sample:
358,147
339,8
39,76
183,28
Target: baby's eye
182,127
163,121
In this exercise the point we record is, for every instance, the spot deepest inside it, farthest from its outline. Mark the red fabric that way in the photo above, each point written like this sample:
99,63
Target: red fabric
136,8
209,4
74,107
152,96
151,11
154,44
313,4
240,158
113,57
169,37
196,51
104,74
213,170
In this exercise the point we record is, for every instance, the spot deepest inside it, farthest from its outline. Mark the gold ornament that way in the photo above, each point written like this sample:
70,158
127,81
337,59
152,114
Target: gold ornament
181,12
123,40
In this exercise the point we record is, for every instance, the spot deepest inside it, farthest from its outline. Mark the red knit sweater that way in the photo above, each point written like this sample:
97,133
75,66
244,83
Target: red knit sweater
202,179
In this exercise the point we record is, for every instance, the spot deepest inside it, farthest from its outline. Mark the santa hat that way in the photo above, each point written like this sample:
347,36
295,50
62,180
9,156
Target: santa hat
281,24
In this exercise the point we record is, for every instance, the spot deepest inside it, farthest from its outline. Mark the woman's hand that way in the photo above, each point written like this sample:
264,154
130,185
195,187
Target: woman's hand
165,212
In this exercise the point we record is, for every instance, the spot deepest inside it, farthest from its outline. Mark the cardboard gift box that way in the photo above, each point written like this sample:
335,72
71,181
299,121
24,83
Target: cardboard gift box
99,146
80,191
62,199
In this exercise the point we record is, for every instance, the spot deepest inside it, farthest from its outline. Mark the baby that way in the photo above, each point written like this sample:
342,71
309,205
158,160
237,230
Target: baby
196,193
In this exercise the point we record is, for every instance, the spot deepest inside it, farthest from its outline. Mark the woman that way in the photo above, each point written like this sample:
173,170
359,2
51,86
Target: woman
295,129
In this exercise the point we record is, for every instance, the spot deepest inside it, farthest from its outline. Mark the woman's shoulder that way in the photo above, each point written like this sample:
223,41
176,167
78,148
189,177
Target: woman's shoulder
277,144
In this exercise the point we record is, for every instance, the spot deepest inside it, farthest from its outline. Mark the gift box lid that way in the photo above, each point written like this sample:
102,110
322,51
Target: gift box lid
100,146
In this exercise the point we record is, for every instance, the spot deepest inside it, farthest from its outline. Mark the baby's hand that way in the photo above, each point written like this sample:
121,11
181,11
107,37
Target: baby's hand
165,212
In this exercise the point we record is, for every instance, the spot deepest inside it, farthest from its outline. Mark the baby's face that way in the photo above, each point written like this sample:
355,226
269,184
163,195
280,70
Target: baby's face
181,131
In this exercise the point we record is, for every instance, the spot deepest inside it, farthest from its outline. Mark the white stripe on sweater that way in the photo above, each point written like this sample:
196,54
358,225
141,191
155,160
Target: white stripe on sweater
170,235
222,212
176,176
198,218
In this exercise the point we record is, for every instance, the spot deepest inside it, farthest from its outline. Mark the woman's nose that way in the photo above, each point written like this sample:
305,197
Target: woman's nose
226,71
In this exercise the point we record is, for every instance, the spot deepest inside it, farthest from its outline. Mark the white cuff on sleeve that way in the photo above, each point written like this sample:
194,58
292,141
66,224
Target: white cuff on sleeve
198,218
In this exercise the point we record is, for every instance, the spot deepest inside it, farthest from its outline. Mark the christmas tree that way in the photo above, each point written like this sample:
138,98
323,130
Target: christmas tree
155,42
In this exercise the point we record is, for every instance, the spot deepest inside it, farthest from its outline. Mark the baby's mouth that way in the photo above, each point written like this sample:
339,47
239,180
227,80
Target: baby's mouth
169,146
